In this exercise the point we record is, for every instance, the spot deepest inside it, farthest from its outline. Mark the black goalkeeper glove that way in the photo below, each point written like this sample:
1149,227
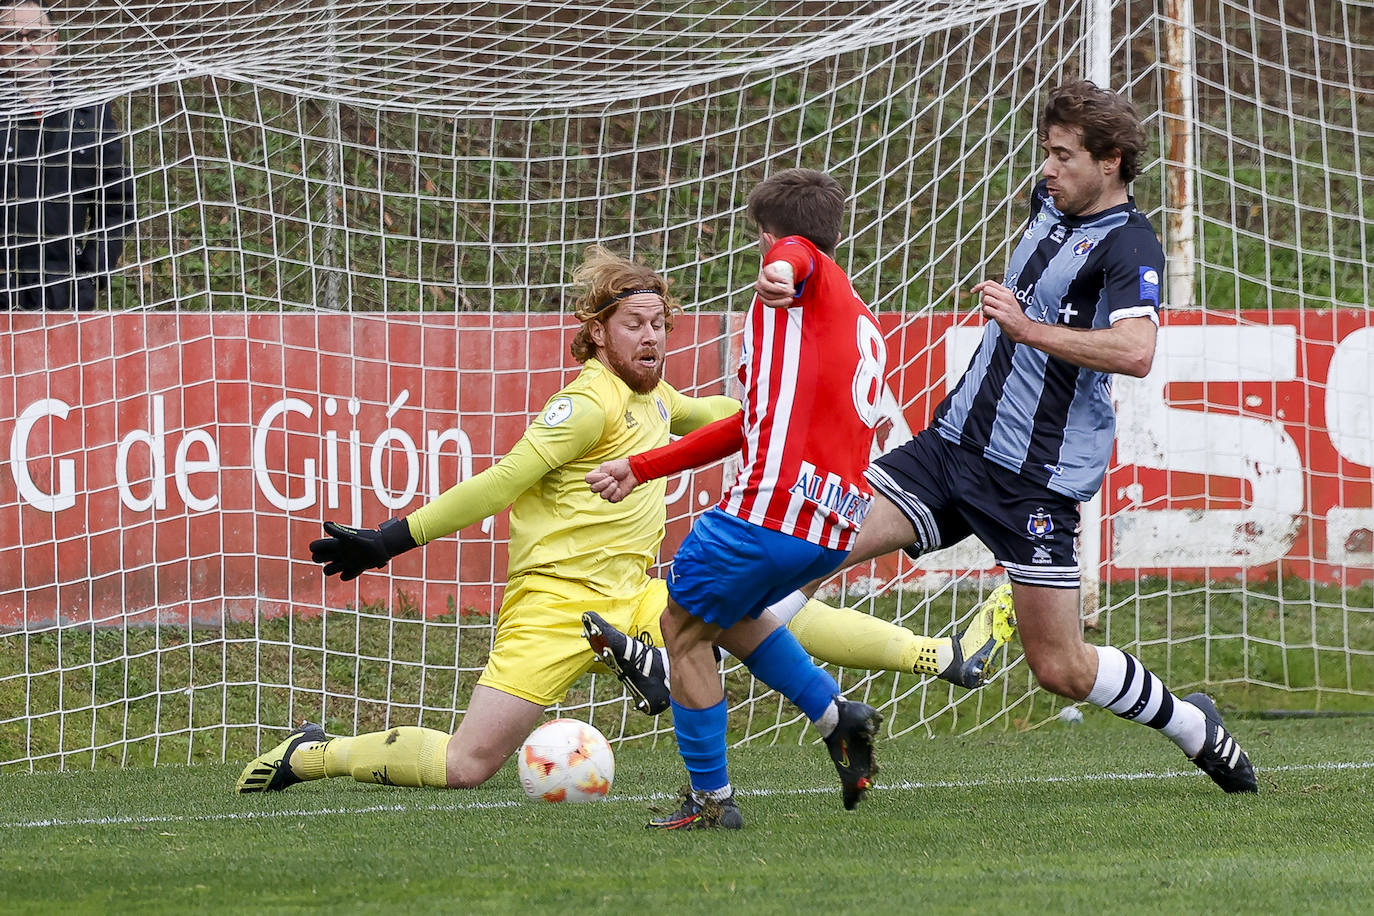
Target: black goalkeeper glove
350,551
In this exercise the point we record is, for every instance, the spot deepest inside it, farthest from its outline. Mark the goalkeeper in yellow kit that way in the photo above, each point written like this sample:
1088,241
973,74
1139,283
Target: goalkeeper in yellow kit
571,552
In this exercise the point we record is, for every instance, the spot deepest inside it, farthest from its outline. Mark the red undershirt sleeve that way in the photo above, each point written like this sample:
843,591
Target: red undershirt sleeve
709,443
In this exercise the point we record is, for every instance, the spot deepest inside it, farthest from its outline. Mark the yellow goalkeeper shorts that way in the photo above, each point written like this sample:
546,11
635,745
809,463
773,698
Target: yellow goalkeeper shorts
540,651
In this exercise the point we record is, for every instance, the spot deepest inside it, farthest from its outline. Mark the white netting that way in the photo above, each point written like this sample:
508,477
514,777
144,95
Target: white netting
342,289
465,59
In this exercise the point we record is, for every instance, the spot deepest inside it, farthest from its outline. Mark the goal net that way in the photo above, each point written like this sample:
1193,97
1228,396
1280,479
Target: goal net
341,287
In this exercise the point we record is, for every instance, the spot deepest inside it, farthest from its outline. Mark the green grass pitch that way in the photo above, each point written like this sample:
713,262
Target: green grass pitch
1099,817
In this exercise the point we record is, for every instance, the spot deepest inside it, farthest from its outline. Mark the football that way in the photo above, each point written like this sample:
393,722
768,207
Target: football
566,761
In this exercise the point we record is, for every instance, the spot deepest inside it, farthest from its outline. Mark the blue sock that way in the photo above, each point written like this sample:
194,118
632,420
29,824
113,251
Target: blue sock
701,742
782,664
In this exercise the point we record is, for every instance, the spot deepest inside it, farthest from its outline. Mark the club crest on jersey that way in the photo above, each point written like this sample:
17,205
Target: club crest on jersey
558,411
1083,247
1039,523
662,409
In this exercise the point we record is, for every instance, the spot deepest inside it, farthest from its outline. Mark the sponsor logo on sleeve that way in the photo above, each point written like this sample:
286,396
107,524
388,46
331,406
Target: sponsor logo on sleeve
1149,285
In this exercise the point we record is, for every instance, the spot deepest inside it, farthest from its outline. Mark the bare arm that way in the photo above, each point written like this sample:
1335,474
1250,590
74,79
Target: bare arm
1127,347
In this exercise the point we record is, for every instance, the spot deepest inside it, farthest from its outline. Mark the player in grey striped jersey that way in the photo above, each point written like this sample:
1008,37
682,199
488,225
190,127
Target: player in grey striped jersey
1027,432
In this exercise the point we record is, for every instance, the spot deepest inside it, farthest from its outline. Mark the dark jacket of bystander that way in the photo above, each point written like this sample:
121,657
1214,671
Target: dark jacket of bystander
66,199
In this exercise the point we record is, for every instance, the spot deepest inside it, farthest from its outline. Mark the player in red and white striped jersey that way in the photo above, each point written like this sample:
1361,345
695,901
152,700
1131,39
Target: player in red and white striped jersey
811,373
812,369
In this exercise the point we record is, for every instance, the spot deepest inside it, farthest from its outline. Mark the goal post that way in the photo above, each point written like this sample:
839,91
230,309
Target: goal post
344,288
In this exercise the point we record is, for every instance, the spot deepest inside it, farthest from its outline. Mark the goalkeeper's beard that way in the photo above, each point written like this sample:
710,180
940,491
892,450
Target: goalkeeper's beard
639,378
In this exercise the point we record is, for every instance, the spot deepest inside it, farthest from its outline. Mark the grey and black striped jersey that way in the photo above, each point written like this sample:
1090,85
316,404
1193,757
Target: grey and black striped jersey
1040,416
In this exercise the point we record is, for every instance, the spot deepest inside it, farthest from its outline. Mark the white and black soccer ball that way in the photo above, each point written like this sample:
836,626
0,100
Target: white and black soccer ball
566,761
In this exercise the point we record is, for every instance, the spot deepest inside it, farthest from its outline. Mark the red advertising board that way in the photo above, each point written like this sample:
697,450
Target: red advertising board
177,466
1249,447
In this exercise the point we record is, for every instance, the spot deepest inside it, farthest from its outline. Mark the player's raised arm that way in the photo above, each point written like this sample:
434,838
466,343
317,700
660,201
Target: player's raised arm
787,265
775,286
1126,347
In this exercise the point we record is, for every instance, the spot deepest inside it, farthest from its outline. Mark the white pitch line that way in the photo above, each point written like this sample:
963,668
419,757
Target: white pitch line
904,786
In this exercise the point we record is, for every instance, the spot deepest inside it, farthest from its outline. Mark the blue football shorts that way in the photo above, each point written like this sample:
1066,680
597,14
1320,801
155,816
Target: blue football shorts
948,492
728,568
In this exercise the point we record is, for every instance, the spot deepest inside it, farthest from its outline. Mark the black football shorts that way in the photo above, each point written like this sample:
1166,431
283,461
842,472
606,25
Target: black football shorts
949,492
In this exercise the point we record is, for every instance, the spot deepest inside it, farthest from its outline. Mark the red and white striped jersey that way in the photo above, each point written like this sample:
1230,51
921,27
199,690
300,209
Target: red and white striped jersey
811,376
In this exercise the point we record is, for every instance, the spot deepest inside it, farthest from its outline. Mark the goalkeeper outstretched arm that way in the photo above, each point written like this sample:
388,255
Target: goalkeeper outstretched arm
348,552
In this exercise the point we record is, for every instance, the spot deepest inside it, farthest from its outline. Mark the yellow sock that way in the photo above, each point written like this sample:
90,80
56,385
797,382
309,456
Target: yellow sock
844,636
404,756
307,761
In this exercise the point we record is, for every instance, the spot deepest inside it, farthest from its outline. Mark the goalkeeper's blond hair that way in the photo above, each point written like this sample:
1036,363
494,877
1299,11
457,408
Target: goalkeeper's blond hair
601,281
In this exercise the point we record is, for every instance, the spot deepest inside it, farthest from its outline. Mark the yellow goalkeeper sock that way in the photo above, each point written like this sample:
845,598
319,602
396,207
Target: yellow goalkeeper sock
404,756
844,636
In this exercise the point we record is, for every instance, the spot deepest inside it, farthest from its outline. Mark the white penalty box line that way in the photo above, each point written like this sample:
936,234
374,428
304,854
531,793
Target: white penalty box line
459,806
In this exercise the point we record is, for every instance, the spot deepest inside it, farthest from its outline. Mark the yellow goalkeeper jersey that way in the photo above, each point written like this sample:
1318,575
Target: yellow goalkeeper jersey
558,526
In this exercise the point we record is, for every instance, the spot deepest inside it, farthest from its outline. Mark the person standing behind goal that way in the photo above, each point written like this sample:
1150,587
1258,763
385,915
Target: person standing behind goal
66,192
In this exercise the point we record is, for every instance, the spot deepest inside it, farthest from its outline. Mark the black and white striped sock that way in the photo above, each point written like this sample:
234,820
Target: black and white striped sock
1126,687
